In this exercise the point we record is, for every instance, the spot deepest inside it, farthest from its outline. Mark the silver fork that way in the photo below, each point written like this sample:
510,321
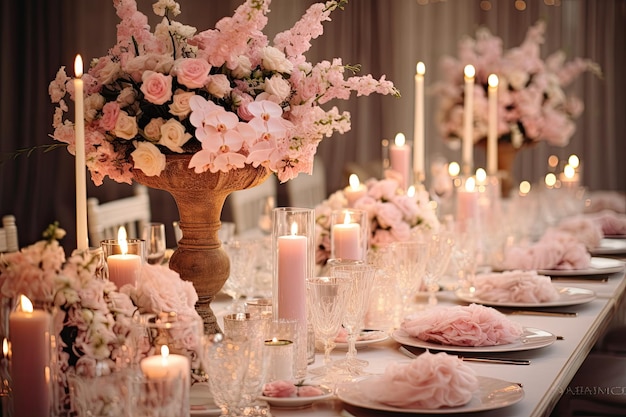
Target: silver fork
504,361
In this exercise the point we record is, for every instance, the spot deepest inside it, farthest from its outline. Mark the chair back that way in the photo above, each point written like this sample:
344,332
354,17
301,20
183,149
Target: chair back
8,235
249,205
105,219
308,191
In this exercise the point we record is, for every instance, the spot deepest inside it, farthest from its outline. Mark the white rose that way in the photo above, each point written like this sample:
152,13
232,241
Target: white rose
125,126
153,129
219,85
243,67
180,103
127,97
148,158
173,135
275,60
278,86
93,104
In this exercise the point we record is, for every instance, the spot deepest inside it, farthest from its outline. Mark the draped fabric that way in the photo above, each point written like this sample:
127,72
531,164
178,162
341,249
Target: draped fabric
385,37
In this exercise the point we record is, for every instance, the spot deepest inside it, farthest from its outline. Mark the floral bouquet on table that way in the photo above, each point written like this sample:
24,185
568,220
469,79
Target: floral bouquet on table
225,95
94,322
532,103
393,215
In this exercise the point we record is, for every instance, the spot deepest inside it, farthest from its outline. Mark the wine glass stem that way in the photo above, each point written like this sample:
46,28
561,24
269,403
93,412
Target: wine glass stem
351,354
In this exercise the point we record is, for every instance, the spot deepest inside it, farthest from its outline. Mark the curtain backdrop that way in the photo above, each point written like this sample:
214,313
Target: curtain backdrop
386,37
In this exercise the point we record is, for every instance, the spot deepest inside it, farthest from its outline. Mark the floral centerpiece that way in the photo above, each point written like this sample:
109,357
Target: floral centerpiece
393,215
95,323
532,103
225,95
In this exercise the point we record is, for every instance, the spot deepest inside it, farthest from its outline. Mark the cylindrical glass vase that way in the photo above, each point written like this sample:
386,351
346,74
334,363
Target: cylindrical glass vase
293,254
349,231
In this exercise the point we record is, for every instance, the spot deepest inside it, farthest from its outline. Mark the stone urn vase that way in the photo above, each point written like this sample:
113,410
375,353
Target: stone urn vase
200,198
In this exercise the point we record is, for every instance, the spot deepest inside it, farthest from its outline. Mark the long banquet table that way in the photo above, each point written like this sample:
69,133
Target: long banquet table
544,380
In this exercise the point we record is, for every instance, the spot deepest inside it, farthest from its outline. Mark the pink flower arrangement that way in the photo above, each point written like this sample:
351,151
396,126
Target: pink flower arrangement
532,103
225,95
393,215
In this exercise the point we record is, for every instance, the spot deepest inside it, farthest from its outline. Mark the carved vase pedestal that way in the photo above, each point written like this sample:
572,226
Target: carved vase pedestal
200,198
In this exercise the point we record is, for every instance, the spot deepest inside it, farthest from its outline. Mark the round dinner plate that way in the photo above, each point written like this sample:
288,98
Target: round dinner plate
610,247
568,296
365,339
297,402
492,394
596,267
201,401
531,339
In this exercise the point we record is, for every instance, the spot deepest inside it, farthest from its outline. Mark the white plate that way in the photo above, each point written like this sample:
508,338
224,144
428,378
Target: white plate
568,296
596,267
531,339
492,393
201,401
610,247
297,402
373,336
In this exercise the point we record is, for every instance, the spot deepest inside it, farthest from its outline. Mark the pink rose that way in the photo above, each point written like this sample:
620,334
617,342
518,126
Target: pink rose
153,129
110,113
192,72
156,87
309,391
280,389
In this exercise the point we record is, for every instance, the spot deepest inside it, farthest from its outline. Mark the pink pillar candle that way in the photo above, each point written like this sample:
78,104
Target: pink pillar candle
124,269
347,241
29,332
467,207
355,190
291,291
400,159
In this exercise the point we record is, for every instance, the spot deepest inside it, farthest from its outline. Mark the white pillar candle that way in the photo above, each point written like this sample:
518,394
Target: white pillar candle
492,132
292,261
29,333
280,353
468,121
355,190
82,241
166,366
400,159
124,268
346,240
418,133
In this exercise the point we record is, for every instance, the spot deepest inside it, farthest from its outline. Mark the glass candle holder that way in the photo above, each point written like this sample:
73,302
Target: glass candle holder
293,255
349,233
124,261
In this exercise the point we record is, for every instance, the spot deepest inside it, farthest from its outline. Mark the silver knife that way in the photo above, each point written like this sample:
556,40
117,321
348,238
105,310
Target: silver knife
505,361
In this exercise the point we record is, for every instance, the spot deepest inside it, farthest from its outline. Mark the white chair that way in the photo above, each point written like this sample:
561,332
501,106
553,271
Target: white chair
308,190
250,207
8,235
105,219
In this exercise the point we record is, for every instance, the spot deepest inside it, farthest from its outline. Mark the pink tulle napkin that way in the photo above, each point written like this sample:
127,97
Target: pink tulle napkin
429,381
610,222
515,286
606,200
585,230
472,325
555,250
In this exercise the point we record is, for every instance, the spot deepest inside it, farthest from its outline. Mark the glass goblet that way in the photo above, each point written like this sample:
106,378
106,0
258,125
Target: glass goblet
440,247
409,260
242,255
361,281
154,235
326,300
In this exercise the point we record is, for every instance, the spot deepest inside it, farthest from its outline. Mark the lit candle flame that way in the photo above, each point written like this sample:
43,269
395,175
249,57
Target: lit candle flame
78,66
274,339
420,68
493,80
454,169
469,71
411,191
354,182
481,175
470,184
294,228
524,187
25,304
347,219
5,347
400,139
550,179
569,171
573,161
121,240
165,351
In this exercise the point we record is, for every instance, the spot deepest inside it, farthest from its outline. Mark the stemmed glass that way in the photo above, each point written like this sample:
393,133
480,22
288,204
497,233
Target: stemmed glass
154,235
242,255
409,262
361,280
440,246
326,300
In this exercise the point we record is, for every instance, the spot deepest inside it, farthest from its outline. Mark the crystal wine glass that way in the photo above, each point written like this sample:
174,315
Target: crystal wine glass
242,255
154,235
409,264
361,281
326,299
440,247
